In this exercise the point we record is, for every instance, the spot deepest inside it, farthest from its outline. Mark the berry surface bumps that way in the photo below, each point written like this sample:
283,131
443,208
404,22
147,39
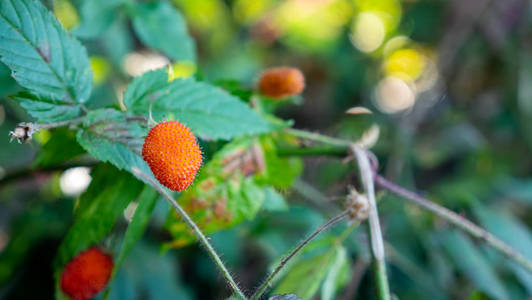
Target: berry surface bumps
174,157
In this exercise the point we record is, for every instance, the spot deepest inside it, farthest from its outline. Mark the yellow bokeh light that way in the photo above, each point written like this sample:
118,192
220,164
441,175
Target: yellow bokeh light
367,32
389,11
312,25
66,14
249,11
393,95
407,64
181,70
100,69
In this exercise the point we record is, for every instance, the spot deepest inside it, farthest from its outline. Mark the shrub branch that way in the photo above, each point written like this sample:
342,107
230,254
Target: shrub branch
374,230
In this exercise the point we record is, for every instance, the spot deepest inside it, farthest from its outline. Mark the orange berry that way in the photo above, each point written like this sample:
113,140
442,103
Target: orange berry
174,157
281,82
87,274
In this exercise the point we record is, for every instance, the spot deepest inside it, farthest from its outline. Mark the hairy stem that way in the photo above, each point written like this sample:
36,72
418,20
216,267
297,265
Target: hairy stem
202,238
374,230
269,280
457,220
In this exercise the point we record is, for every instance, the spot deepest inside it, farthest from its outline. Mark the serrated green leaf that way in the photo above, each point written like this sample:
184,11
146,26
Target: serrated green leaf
209,111
110,137
471,262
160,26
44,59
99,208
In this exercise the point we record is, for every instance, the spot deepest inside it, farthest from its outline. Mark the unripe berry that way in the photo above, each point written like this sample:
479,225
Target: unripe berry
281,82
174,157
87,274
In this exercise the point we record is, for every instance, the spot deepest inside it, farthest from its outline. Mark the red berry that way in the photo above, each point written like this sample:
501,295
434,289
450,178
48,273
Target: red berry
174,157
281,82
87,274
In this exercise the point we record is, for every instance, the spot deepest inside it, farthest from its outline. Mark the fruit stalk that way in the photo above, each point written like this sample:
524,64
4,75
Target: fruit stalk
199,234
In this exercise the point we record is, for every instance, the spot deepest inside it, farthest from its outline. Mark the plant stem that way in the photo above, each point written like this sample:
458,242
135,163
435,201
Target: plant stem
203,240
268,282
457,220
340,151
316,137
374,231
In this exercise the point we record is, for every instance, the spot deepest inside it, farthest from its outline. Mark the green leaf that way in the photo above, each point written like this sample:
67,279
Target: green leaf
103,202
59,149
337,276
471,262
513,232
44,59
305,277
111,137
99,208
209,111
225,193
138,224
160,26
273,201
96,17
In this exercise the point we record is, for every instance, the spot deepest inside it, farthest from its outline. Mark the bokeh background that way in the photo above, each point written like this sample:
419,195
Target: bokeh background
450,85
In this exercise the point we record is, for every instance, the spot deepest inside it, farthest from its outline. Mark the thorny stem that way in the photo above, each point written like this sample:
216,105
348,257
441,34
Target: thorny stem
202,238
457,220
374,230
268,282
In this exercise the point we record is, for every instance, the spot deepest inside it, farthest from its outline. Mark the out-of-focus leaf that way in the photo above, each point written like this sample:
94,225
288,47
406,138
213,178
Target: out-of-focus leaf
284,297
62,147
161,26
96,17
99,209
44,59
225,193
513,232
209,111
337,276
8,85
471,262
111,137
146,272
280,171
273,201
138,224
520,190
305,277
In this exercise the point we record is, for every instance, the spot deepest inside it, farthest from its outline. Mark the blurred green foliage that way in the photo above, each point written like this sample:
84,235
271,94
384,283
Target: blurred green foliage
449,84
